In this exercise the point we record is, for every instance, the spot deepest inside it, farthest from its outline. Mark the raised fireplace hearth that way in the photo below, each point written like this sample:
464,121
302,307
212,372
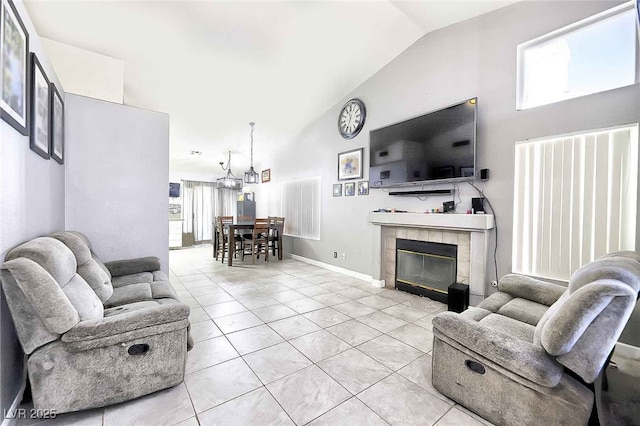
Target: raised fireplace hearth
469,232
426,268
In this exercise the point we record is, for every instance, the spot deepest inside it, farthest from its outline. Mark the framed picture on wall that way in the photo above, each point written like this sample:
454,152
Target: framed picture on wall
363,187
40,115
350,164
266,175
57,125
337,190
14,51
349,189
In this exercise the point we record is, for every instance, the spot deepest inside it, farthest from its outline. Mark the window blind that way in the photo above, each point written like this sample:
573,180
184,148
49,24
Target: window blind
575,199
301,208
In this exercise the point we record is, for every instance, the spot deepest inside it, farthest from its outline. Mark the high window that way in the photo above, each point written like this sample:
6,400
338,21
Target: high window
575,199
590,56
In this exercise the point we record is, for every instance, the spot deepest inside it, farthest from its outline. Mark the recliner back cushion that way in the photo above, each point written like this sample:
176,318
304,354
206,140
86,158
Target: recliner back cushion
60,263
91,270
582,327
40,310
51,254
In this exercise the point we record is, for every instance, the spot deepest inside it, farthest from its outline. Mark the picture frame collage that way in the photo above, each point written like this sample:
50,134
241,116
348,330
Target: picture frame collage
350,167
30,102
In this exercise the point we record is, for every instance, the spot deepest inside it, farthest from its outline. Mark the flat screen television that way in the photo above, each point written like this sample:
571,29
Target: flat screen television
174,190
436,147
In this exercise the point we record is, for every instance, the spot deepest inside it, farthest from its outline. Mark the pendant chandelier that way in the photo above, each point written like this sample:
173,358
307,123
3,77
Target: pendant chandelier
251,176
229,181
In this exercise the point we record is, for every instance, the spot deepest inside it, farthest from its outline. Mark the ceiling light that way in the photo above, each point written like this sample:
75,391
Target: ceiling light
251,176
229,181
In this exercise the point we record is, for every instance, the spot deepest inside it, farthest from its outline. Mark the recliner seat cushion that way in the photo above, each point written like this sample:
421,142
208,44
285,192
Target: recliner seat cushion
125,280
523,310
129,294
496,301
513,327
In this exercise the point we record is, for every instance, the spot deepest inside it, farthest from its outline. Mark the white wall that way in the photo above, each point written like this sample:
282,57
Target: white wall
117,178
473,58
87,73
31,205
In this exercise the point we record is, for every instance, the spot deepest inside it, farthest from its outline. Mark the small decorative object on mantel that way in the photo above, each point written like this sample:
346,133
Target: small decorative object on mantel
350,164
14,73
266,175
337,190
40,115
349,189
363,187
351,118
57,126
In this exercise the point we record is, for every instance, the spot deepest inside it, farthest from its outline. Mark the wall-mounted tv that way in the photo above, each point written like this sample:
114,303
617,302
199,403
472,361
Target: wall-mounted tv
436,147
174,190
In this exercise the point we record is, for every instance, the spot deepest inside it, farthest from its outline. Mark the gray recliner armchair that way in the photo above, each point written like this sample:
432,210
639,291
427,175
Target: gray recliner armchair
86,349
526,354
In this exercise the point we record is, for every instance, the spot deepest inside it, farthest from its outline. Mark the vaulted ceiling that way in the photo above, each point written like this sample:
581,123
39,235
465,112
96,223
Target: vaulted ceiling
214,66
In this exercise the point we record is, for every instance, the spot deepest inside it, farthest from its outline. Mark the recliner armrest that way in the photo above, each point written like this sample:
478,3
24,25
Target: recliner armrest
531,289
126,322
518,356
118,268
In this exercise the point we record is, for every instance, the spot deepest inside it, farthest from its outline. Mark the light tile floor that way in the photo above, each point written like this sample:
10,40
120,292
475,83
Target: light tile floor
284,343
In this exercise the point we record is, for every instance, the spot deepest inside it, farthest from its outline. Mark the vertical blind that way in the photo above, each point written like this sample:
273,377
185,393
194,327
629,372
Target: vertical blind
301,208
575,199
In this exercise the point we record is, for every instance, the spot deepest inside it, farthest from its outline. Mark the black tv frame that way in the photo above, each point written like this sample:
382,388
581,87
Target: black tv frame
434,181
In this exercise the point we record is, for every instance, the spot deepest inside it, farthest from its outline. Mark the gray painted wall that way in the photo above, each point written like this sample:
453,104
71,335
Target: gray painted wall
473,58
117,178
31,205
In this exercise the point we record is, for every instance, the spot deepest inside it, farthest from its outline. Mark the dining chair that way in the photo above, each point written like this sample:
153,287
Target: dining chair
224,239
276,228
258,242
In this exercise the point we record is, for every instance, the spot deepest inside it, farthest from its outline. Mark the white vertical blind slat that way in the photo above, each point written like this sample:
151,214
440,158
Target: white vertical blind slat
301,208
575,199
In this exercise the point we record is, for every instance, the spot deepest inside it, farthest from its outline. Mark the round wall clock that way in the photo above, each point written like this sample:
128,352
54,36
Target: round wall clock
351,119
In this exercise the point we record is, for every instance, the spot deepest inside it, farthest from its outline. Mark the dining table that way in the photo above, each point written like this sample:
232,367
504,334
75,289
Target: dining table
248,225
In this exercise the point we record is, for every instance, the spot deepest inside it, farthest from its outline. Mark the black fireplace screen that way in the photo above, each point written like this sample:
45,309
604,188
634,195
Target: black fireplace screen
425,266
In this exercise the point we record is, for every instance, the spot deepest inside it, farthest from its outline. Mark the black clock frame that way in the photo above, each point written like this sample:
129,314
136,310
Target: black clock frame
360,125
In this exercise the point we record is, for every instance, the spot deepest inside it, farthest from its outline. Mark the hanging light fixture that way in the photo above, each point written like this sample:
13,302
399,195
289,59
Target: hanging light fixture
251,176
229,181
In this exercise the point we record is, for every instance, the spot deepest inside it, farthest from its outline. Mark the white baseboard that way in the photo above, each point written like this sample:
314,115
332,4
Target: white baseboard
349,272
377,283
14,406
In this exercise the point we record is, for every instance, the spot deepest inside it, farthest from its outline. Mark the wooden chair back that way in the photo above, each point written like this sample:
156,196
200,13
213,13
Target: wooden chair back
260,229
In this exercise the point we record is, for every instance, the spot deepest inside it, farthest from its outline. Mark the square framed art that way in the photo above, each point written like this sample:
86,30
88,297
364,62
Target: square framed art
350,164
266,175
14,76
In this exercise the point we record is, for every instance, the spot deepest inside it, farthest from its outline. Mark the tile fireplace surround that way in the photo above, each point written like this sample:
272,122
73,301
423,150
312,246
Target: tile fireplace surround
469,232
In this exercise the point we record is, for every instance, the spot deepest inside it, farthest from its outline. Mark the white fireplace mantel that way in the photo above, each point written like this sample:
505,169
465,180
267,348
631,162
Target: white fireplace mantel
478,226
457,222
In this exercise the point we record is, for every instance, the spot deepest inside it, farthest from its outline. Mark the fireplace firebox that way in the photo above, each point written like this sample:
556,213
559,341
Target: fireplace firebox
426,268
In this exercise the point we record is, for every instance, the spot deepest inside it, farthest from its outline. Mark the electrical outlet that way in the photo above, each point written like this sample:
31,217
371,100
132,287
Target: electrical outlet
335,254
344,256
494,283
